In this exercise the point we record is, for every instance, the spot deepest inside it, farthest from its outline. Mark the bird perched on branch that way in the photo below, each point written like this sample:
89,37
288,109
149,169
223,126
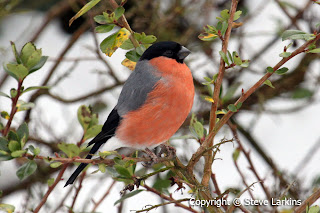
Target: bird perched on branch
154,102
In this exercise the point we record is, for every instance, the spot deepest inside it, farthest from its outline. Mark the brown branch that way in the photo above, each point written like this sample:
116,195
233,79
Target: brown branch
13,109
308,202
96,204
247,155
168,198
162,204
82,176
45,197
124,22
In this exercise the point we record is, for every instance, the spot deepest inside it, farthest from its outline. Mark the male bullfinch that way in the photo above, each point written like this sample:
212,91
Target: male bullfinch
154,102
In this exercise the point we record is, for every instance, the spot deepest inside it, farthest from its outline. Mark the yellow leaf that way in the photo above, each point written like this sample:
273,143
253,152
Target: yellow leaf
209,99
236,24
128,63
116,41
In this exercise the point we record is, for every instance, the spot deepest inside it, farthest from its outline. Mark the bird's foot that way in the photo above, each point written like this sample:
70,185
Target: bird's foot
168,151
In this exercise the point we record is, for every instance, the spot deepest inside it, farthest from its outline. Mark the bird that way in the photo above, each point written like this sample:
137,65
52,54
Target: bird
153,103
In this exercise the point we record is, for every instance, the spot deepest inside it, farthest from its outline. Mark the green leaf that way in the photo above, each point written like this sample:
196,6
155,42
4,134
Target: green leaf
22,106
5,115
285,54
313,209
55,164
300,93
15,52
5,155
50,181
35,151
237,15
236,154
40,64
13,92
221,112
19,70
23,133
198,127
127,45
27,50
7,208
140,50
317,50
245,63
149,39
104,154
268,82
133,56
270,69
92,132
110,44
35,88
101,19
84,116
4,94
282,71
14,146
104,28
102,167
122,171
239,105
119,12
161,185
70,149
232,108
26,170
225,14
34,59
12,136
224,57
84,9
4,144
296,34
237,60
18,153
126,196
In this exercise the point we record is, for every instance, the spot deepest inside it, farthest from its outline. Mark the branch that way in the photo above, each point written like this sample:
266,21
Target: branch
163,204
308,202
44,199
168,198
103,197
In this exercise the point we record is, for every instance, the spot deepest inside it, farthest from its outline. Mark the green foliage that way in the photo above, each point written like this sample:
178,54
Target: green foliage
104,28
71,150
282,71
236,154
196,128
28,61
110,44
26,170
50,181
300,93
268,82
313,209
232,108
84,9
230,92
55,164
92,132
296,34
7,208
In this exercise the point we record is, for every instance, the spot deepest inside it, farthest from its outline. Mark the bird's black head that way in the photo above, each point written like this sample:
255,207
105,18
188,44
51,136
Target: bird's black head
168,49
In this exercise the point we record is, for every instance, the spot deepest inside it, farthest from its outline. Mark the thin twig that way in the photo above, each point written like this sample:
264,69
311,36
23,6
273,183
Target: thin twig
82,176
150,189
308,202
104,196
45,197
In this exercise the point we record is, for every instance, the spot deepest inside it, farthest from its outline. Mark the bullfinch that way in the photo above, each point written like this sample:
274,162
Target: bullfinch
154,102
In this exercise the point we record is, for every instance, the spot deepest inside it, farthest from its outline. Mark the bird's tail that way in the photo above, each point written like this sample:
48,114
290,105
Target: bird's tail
82,166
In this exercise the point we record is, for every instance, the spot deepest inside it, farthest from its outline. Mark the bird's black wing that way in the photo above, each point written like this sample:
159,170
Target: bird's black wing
108,130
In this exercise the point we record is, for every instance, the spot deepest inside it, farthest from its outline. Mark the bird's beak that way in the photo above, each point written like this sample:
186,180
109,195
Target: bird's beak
183,53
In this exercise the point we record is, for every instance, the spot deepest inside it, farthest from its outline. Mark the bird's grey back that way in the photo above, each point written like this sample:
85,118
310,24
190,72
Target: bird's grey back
135,90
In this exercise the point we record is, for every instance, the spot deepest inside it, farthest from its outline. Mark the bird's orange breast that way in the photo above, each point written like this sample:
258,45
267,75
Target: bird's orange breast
166,107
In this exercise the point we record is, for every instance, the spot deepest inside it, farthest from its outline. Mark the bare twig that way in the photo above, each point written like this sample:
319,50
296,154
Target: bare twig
45,197
83,174
308,202
96,204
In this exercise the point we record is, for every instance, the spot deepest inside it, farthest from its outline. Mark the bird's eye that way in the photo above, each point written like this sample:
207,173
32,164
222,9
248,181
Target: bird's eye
168,53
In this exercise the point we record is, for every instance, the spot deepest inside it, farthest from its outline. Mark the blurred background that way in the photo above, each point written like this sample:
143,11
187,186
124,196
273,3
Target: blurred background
280,126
